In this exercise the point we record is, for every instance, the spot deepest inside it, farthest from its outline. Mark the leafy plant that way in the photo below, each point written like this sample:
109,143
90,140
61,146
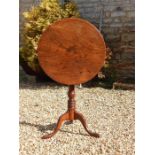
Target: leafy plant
108,70
36,21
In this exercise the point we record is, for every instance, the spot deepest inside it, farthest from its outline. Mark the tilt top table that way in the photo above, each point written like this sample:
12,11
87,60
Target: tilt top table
71,51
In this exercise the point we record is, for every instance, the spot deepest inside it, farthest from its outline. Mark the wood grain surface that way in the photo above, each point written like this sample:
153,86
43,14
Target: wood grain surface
71,51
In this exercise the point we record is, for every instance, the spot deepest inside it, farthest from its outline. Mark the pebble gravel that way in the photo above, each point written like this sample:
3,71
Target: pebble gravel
111,113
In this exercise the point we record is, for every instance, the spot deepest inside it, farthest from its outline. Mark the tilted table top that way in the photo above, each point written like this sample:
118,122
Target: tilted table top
71,51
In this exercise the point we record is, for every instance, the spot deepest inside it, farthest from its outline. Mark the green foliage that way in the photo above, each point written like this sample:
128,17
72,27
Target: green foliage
36,21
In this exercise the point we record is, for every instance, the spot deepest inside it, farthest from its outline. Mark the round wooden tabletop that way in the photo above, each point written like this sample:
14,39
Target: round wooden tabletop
71,51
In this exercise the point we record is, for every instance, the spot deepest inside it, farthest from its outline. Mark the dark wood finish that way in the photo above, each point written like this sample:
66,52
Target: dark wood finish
71,51
70,115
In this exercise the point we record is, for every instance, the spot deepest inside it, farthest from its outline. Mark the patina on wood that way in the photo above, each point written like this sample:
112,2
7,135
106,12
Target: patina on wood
71,51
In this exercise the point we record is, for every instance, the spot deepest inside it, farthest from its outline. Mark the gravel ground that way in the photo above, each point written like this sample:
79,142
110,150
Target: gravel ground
108,112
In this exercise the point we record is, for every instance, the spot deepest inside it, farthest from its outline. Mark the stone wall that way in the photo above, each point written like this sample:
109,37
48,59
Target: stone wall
116,19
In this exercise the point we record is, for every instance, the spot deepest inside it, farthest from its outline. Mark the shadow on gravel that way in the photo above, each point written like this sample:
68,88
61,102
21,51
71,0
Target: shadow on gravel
54,85
44,128
39,85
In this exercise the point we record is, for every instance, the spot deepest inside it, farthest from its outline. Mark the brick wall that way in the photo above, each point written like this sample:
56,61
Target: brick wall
117,27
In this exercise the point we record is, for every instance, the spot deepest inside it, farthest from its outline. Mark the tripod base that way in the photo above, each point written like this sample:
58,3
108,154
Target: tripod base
65,117
71,115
